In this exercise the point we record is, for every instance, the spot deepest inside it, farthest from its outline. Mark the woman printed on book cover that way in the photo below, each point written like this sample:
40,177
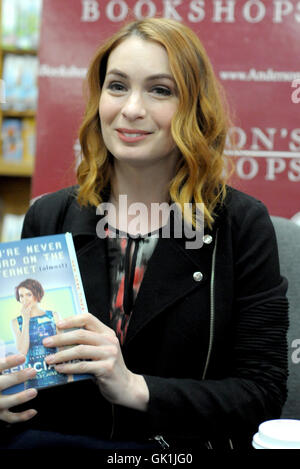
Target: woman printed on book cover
31,327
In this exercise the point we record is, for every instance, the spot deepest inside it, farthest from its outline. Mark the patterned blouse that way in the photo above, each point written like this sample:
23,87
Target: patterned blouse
128,258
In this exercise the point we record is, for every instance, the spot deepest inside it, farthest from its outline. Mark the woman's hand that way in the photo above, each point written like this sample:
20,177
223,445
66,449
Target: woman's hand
99,352
11,400
26,311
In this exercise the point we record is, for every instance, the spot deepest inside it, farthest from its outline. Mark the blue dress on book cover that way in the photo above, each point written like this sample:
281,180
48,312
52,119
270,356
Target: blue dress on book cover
41,327
39,277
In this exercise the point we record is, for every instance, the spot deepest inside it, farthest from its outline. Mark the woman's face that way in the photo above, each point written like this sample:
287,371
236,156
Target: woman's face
26,297
137,103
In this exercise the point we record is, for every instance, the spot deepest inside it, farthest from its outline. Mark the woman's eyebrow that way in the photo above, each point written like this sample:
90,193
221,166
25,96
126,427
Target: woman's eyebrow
150,78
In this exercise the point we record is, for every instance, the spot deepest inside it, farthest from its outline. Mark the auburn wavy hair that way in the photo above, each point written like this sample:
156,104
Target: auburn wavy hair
199,126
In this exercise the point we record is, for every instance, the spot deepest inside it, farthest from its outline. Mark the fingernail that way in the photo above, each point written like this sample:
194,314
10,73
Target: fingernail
31,413
61,323
48,341
50,359
31,392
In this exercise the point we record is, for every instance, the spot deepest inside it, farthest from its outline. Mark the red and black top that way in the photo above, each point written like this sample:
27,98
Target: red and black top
128,257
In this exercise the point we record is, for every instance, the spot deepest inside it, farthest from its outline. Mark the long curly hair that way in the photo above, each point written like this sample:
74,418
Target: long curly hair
199,126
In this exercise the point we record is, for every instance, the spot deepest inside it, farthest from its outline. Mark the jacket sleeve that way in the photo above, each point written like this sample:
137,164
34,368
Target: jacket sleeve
46,214
255,389
30,227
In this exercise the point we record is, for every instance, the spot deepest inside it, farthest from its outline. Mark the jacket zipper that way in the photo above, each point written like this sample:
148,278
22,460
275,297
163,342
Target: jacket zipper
212,323
212,317
159,438
162,442
212,308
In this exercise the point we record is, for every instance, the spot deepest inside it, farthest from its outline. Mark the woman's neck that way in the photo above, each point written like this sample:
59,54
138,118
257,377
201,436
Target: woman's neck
136,193
36,311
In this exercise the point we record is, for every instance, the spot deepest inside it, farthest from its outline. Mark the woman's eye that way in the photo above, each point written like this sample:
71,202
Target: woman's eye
162,90
117,87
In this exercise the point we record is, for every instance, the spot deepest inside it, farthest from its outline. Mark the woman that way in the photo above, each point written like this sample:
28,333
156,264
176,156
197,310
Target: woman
30,328
187,346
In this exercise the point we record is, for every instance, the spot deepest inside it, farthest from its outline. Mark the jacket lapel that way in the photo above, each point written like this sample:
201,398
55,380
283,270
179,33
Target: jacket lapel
168,278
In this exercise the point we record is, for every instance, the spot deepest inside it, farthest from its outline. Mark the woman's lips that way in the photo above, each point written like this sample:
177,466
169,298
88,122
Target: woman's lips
131,136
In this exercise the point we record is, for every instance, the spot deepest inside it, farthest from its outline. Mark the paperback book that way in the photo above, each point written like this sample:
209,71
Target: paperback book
40,284
19,140
12,144
21,20
20,74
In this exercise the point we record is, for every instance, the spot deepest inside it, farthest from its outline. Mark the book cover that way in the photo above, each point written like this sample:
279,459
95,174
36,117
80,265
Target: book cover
9,22
28,24
29,139
20,75
40,284
21,23
12,77
28,91
12,143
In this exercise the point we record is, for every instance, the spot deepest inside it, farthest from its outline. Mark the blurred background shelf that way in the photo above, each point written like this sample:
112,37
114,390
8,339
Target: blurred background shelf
19,39
15,169
18,114
17,50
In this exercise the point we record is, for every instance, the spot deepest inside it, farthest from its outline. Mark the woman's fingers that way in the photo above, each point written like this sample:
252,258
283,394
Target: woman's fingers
86,321
92,346
81,336
81,352
11,400
78,336
11,361
18,377
15,417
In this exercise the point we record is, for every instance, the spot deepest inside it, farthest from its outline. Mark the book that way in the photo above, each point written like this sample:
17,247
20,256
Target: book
9,22
21,21
19,140
20,75
11,227
12,143
40,283
29,139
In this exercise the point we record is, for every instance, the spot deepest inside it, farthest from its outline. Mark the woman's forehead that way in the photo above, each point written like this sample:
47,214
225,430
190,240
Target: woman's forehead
137,53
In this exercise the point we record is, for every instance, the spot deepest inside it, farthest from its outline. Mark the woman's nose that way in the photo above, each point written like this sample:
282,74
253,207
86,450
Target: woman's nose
134,107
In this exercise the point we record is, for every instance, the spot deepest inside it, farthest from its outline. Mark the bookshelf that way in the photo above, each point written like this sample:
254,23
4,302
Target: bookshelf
15,176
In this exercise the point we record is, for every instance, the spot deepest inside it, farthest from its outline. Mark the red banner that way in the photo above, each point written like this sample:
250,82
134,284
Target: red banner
254,48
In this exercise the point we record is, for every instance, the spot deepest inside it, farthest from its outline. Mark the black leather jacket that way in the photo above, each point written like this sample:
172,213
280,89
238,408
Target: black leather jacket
213,352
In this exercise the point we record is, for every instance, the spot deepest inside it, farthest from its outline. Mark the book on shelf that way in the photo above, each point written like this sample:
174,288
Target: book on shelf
12,144
40,283
29,139
21,23
11,227
19,140
20,74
